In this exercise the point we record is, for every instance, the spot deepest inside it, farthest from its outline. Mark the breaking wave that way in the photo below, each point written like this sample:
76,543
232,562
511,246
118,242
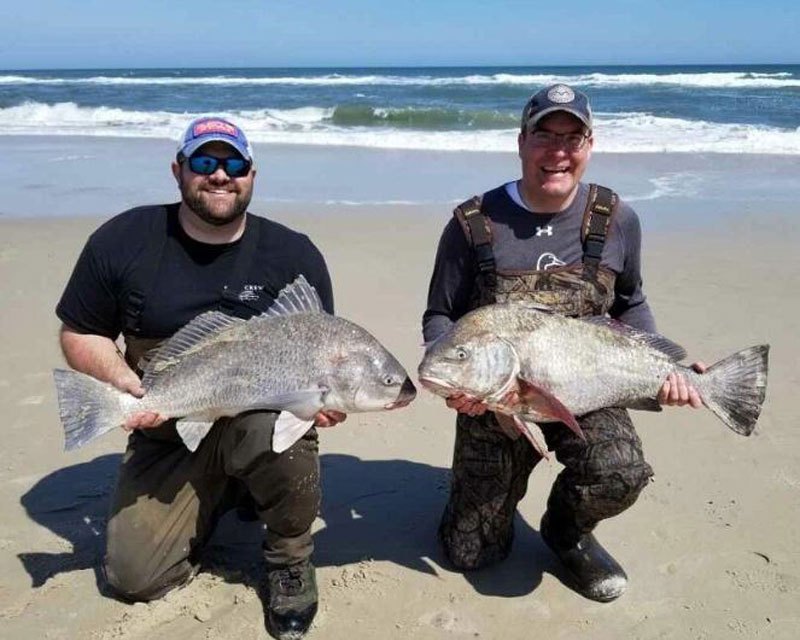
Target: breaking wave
710,79
432,129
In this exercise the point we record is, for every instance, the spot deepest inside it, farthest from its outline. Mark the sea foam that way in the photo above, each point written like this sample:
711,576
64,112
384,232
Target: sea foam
620,132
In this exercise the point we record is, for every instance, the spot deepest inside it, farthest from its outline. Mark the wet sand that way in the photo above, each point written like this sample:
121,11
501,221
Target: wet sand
709,547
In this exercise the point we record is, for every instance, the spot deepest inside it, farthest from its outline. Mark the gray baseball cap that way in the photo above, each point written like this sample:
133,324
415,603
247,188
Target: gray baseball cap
556,97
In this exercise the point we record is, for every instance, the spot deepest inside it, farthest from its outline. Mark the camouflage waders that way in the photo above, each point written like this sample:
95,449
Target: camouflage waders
603,476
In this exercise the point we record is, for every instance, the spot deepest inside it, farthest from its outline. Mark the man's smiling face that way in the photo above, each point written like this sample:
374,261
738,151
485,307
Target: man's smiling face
216,199
550,173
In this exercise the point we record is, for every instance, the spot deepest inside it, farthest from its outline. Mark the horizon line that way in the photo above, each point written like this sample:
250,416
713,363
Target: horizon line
398,66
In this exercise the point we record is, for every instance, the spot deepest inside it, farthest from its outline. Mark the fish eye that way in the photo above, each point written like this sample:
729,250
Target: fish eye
388,381
462,353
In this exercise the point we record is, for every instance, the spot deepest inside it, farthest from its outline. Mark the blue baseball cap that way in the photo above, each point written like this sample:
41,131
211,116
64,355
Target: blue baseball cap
556,97
213,129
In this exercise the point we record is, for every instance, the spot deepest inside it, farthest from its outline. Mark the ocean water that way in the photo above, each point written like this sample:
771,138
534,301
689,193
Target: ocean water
638,109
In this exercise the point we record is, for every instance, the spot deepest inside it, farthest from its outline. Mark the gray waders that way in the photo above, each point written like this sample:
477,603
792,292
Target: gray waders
602,477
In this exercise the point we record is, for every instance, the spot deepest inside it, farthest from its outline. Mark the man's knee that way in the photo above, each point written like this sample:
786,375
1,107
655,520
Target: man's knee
246,437
133,580
285,486
612,447
290,506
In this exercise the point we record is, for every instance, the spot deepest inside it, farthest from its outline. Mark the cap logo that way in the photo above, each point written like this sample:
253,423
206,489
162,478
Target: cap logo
561,94
214,126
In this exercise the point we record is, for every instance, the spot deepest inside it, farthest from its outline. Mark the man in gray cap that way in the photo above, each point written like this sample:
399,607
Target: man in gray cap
551,239
143,275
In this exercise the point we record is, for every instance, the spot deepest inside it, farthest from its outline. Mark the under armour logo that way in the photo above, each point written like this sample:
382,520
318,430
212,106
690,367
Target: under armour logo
544,231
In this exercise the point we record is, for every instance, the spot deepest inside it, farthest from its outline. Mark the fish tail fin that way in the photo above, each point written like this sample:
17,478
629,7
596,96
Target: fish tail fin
734,388
88,408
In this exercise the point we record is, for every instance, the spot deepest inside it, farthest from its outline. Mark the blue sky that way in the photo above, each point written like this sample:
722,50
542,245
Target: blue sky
150,33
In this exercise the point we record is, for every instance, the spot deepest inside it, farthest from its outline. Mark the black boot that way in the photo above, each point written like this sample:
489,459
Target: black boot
292,601
596,574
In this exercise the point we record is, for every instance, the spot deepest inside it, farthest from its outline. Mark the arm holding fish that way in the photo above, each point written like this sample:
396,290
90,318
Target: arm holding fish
448,299
99,357
631,307
329,418
87,310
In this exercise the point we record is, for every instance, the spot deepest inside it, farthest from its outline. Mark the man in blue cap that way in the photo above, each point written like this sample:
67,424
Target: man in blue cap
551,239
143,275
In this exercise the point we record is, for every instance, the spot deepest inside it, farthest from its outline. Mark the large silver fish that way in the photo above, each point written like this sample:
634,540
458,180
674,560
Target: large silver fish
294,358
530,365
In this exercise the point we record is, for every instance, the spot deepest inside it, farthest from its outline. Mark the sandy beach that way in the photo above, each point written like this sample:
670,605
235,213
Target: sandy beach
710,547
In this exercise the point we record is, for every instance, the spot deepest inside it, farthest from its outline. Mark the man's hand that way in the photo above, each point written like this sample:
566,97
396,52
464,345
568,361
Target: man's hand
329,418
144,420
130,383
465,404
677,392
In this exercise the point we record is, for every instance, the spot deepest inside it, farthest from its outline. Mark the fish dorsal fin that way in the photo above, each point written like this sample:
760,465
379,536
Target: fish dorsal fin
207,328
297,297
654,340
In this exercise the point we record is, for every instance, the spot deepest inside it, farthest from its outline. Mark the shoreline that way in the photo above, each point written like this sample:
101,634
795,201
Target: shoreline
61,176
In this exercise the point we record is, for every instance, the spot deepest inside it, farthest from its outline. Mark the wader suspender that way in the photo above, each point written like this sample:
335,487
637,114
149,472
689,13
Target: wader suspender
479,234
597,216
594,230
151,261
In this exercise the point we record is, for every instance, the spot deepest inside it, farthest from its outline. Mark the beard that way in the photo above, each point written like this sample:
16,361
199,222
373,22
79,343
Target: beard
216,213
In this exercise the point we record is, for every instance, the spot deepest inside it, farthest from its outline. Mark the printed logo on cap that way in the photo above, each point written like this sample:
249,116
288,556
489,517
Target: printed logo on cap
561,94
214,126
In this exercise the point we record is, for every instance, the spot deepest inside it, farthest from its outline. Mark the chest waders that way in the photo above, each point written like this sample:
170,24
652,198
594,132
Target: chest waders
603,475
167,500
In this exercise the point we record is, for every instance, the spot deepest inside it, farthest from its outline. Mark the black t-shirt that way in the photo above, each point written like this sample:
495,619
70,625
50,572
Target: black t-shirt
190,276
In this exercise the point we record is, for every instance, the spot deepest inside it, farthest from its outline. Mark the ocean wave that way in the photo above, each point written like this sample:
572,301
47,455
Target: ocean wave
711,79
619,133
354,115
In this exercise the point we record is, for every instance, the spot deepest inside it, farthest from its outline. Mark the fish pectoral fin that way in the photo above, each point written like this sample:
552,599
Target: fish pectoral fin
192,431
304,403
514,426
545,403
509,426
288,430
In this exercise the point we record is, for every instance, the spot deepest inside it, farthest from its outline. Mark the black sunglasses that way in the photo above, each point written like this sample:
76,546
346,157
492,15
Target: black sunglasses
206,165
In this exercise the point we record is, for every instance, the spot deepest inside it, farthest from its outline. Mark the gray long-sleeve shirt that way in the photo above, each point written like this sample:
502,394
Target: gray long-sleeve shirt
524,240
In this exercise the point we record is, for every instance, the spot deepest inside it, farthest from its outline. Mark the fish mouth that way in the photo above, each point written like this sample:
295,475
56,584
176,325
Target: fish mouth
436,385
407,393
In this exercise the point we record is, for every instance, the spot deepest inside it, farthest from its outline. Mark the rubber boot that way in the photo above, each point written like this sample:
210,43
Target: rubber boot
594,572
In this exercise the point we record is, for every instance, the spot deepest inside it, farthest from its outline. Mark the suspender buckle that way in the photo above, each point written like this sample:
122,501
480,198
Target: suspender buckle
484,256
133,312
594,247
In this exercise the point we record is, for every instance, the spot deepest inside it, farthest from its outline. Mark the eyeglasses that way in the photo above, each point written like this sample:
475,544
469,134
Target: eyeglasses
206,165
550,140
